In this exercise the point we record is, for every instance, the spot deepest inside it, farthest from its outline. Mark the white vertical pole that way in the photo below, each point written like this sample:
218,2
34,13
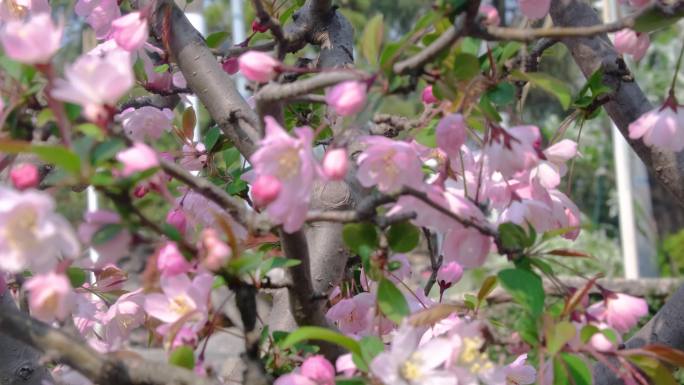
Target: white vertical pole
196,18
238,30
92,205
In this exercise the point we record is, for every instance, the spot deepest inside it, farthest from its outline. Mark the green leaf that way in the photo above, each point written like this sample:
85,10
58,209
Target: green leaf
510,49
160,69
577,369
247,263
548,83
171,232
403,237
358,235
212,137
391,301
106,233
525,287
558,335
371,39
57,155
502,94
488,109
183,357
77,276
371,346
587,332
73,111
10,67
106,151
90,130
655,19
528,329
466,66
323,334
215,39
513,237
560,373
487,286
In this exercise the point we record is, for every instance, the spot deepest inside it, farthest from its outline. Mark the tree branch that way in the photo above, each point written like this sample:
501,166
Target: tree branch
101,369
273,92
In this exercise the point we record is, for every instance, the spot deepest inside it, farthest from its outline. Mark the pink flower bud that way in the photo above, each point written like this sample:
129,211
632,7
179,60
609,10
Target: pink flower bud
451,134
177,219
185,336
265,190
25,176
110,278
140,191
130,31
319,369
258,66
335,164
50,297
138,158
215,252
231,65
258,27
347,98
449,274
33,41
534,9
491,15
629,42
427,95
170,261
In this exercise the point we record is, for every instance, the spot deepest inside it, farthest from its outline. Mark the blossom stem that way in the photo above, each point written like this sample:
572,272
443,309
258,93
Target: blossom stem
679,64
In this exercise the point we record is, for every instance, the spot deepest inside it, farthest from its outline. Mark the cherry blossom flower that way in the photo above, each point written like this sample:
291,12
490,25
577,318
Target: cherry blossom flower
491,15
50,296
291,161
230,65
185,336
181,298
534,9
318,369
176,218
99,14
112,249
195,157
513,150
146,122
630,42
466,246
353,315
407,363
620,311
347,98
335,164
389,164
265,189
201,211
19,9
110,278
451,134
662,127
122,317
34,41
427,96
215,252
32,235
170,261
600,342
566,213
448,274
138,158
130,31
258,66
25,176
96,82
345,365
550,171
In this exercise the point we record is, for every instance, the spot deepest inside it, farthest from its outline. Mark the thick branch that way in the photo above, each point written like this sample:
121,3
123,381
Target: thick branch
628,102
103,370
273,92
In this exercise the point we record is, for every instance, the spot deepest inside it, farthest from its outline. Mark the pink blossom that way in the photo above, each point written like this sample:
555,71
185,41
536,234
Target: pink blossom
345,365
96,82
318,369
258,66
194,157
32,235
291,161
353,315
110,278
265,190
201,211
18,9
566,213
600,342
513,150
335,164
111,250
620,311
146,122
662,127
31,42
451,134
130,31
449,274
407,363
466,246
427,96
122,317
161,81
181,298
185,336
389,164
170,261
347,98
491,15
215,251
176,218
99,14
178,80
25,176
231,66
138,158
534,9
293,379
630,42
520,373
550,171
50,297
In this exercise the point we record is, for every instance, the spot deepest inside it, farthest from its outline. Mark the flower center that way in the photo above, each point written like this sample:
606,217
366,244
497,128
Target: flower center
409,370
472,357
20,228
181,305
289,164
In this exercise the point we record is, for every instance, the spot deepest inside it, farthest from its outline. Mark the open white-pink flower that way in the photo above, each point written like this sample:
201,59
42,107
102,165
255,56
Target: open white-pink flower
50,296
181,298
34,41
